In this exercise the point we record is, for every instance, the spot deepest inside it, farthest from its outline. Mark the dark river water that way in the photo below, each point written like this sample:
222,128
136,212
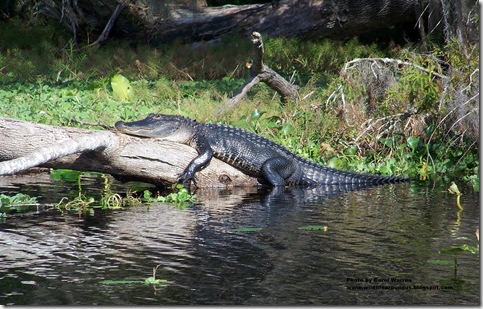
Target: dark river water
311,246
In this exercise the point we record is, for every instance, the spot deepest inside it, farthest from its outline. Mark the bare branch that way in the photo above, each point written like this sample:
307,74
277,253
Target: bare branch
349,65
92,124
249,83
333,94
449,113
260,72
105,33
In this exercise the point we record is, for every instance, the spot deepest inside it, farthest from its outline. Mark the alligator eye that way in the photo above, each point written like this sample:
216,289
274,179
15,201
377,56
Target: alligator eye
157,116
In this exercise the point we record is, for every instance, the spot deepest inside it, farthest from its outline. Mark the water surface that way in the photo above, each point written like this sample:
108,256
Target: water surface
368,247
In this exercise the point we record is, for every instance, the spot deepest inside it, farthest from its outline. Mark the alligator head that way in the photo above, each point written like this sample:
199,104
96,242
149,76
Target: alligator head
168,127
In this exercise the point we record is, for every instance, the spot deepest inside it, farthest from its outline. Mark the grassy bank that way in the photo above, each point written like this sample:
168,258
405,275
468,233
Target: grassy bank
372,117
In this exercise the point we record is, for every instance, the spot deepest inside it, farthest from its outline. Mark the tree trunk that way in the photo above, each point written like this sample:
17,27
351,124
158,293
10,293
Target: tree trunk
161,21
26,145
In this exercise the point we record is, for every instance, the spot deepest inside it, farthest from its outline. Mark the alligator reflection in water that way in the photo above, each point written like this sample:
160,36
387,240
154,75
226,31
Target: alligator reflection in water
262,206
208,259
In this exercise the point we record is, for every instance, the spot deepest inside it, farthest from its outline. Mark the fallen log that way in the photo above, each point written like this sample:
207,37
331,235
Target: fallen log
26,144
160,22
312,19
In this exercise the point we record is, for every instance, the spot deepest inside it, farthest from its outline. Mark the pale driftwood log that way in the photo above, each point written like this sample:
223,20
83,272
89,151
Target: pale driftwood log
260,72
26,144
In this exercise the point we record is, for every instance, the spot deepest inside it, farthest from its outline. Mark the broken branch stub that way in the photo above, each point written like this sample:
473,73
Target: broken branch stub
260,72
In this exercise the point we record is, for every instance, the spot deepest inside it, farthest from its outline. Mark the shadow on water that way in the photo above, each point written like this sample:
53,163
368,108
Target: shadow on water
256,246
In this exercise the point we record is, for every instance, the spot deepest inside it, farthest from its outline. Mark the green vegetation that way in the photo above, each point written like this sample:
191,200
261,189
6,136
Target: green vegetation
417,118
180,197
247,229
148,281
84,203
313,228
17,203
455,251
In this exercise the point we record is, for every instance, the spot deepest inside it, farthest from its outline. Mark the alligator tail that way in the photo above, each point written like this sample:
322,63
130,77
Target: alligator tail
323,175
362,178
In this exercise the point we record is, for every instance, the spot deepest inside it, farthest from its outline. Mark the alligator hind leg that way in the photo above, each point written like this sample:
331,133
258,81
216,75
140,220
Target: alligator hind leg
277,170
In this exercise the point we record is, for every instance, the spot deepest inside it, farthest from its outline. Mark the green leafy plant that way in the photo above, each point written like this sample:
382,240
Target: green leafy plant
83,204
455,251
181,198
15,203
80,204
152,280
121,87
148,281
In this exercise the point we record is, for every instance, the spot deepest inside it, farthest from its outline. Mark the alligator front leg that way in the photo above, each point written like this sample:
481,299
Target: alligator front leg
205,154
277,170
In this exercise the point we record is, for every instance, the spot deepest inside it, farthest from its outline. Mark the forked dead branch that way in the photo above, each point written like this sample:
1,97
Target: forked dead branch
260,72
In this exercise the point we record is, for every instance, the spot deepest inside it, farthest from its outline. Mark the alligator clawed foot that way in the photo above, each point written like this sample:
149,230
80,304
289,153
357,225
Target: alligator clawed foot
186,181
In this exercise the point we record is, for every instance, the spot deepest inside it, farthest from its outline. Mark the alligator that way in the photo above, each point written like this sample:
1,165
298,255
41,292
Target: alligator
256,156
